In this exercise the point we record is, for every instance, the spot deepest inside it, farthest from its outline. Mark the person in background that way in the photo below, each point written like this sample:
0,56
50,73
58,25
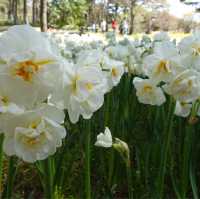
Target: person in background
103,26
121,27
114,25
125,27
93,27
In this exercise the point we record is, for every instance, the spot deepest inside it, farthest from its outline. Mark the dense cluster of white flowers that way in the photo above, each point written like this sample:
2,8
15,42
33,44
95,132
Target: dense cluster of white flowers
173,69
43,75
38,84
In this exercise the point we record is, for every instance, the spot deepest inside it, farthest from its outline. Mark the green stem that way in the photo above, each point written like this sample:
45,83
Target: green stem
194,164
48,189
129,179
59,171
186,160
1,162
10,178
87,161
193,181
165,149
111,168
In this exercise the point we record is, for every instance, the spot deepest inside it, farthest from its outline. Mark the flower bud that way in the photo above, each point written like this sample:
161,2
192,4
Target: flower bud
123,149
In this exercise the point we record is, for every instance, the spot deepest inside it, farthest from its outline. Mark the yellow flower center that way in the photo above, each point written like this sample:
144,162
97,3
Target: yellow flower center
162,67
89,86
114,72
186,90
27,69
4,99
74,84
183,104
196,49
30,141
147,89
34,124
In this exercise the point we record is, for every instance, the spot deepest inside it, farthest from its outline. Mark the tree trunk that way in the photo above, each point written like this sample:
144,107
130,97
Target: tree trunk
25,17
34,8
132,2
37,12
43,15
10,10
15,11
90,12
106,13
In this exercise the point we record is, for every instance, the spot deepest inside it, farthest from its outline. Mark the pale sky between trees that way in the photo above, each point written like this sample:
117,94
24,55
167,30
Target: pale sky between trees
179,9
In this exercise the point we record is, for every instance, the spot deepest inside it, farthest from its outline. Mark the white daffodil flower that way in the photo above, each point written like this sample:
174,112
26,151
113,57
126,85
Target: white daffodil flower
127,54
113,71
82,92
134,64
92,58
185,87
164,63
12,96
147,92
9,107
161,36
190,51
104,139
34,135
29,62
182,109
118,52
10,99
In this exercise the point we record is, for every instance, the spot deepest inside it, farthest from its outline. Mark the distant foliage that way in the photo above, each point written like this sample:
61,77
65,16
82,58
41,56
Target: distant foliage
67,12
147,21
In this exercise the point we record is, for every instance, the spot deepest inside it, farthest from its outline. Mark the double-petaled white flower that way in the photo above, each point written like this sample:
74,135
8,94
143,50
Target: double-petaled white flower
147,92
190,51
164,63
112,68
182,109
30,63
184,87
82,92
113,71
34,135
12,99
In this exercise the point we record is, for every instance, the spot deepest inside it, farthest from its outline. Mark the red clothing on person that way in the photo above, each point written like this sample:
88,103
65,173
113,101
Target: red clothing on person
114,24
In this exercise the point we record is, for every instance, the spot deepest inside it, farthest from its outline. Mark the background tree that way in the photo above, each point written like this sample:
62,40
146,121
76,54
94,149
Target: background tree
132,5
34,12
91,4
15,11
10,10
149,6
25,17
43,15
68,12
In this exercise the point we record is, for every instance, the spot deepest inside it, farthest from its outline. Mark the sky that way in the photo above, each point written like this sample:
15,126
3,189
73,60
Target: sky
179,9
